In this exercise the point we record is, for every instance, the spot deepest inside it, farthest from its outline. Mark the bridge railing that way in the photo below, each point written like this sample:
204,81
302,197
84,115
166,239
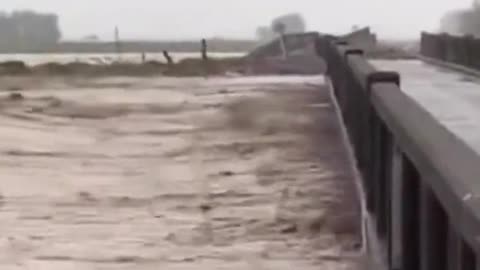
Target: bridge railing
420,180
461,50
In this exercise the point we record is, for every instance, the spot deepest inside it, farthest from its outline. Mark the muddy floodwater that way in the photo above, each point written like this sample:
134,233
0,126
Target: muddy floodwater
166,173
105,58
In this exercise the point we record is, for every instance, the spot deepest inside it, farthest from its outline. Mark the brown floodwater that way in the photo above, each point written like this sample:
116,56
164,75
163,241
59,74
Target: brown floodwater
167,173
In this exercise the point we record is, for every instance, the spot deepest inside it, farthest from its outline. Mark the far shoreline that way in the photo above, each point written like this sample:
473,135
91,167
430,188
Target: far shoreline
103,47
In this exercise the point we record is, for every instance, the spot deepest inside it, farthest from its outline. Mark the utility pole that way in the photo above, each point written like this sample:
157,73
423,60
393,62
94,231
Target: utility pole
280,29
117,42
204,49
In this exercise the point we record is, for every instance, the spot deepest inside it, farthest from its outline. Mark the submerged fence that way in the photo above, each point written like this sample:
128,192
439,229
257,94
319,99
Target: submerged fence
421,181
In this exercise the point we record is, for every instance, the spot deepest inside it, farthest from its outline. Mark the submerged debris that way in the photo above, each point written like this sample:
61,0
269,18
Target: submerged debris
16,96
186,67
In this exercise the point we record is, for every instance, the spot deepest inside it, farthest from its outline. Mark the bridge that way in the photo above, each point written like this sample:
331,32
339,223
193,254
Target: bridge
413,127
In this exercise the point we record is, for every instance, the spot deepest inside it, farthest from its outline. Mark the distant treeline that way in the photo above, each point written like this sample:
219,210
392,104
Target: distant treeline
28,30
462,21
32,32
214,45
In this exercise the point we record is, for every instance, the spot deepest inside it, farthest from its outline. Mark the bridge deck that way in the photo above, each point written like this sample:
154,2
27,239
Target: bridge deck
175,174
451,96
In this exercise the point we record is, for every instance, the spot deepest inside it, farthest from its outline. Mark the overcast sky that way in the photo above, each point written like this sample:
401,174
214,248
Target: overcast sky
184,19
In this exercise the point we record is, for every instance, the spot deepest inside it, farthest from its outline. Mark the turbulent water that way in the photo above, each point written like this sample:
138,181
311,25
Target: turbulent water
36,59
168,173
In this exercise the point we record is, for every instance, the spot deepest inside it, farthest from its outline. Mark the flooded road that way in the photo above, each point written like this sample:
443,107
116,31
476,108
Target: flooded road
165,173
451,96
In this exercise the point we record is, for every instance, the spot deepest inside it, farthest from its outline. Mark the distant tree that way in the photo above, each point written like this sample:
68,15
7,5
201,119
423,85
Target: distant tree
285,24
462,22
264,33
292,23
279,28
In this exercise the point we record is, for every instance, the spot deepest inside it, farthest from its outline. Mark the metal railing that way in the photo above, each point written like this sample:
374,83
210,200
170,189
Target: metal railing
461,50
420,181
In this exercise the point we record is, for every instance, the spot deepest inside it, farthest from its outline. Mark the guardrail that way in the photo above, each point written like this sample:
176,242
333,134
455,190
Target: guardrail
461,50
420,181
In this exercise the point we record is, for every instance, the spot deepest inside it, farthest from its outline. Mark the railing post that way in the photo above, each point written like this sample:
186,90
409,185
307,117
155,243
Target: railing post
468,258
357,109
403,199
409,213
378,150
459,255
433,225
396,218
454,249
382,179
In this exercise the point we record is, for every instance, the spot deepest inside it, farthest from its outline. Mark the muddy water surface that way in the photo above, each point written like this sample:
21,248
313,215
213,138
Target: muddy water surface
126,173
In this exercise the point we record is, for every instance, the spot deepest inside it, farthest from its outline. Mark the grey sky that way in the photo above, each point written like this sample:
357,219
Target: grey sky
183,19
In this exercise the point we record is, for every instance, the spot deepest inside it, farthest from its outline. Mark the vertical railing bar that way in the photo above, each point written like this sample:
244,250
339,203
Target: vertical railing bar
454,249
409,214
433,231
